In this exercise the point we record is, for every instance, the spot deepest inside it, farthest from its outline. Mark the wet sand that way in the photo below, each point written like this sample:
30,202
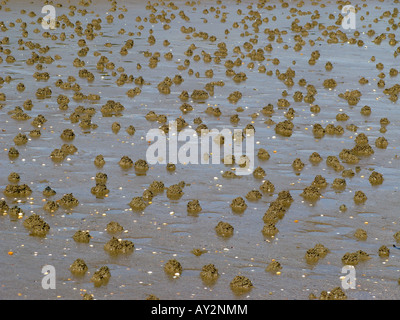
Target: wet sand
164,229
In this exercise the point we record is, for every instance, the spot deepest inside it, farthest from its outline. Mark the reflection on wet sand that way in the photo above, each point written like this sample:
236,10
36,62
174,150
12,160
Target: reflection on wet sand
78,193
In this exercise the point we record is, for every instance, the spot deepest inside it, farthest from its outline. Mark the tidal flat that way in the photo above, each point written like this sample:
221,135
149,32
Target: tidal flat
77,191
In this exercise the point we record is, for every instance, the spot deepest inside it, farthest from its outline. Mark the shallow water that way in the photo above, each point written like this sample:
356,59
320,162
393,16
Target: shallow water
164,230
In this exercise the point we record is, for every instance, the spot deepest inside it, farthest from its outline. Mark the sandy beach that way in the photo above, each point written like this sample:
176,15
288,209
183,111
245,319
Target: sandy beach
79,192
